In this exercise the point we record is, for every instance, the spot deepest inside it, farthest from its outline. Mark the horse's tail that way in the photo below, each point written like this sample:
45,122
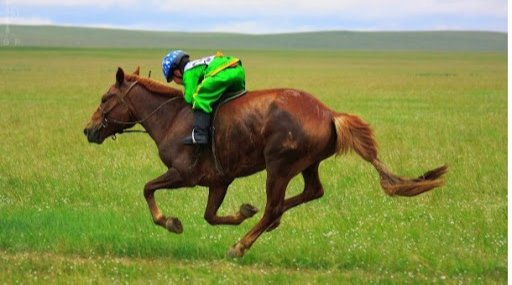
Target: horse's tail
355,134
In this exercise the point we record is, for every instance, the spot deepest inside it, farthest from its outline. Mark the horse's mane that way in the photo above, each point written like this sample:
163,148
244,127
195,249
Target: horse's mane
153,85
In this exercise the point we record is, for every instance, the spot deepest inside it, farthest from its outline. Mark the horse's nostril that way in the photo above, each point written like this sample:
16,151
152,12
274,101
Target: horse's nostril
85,131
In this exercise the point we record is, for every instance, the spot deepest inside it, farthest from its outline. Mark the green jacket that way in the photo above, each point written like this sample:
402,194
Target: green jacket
198,70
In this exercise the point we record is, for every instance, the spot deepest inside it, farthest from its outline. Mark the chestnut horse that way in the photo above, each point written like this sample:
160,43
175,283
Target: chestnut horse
284,131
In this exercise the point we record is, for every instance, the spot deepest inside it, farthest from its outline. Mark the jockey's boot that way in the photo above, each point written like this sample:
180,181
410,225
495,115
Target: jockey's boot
200,133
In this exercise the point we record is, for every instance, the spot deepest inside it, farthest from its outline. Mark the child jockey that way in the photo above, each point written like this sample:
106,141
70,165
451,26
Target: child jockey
205,80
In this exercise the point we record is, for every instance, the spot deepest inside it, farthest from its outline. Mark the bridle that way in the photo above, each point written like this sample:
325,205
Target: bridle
104,113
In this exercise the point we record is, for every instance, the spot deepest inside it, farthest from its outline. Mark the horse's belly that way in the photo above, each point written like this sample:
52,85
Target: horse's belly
241,156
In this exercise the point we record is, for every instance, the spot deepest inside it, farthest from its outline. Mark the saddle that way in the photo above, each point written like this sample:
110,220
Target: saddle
225,98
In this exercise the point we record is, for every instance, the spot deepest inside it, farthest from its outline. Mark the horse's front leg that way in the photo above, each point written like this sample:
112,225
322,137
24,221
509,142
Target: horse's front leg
169,180
216,196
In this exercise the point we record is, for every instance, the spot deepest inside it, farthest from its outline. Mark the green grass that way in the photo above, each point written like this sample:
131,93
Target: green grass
72,212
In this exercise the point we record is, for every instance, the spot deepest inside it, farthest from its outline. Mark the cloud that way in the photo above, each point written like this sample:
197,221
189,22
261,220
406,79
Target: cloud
264,16
35,21
267,16
365,8
73,3
292,8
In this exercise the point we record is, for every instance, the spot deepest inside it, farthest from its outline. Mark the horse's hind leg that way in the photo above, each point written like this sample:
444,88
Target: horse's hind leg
276,187
312,190
215,198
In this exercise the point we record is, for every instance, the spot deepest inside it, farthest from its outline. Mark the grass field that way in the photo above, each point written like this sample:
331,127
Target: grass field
71,212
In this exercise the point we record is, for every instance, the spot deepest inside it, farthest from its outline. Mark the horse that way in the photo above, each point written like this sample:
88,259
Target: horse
283,131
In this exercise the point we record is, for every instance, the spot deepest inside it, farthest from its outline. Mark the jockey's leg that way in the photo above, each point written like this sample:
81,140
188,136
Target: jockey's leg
207,94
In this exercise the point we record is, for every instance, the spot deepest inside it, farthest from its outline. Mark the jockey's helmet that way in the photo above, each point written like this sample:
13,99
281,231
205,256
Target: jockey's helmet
172,61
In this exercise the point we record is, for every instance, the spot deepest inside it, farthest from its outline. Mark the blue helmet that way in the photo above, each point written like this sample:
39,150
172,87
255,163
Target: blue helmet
171,62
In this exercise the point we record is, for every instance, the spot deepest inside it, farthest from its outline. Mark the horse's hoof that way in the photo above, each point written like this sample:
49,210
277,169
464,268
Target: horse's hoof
174,225
236,251
248,210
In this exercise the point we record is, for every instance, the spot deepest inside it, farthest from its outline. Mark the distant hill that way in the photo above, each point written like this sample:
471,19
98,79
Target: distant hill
57,36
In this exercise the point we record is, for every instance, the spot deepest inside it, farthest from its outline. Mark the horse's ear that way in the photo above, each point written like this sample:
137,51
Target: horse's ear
136,72
119,76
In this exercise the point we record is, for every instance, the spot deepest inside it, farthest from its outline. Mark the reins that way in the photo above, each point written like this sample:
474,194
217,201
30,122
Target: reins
105,120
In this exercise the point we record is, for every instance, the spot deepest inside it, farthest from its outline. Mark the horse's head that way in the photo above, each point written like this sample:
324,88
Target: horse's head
113,115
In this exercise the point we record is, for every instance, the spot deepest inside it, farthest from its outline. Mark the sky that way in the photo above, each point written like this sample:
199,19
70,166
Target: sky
261,16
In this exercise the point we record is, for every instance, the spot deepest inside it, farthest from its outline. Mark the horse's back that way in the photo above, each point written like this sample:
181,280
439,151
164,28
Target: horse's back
271,127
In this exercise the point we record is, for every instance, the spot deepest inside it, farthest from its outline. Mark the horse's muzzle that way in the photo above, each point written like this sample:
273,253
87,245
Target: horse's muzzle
93,135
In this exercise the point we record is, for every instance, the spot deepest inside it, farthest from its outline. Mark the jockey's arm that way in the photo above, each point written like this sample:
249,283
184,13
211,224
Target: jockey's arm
192,78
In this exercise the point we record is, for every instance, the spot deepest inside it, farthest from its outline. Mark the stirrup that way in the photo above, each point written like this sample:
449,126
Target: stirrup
193,137
192,140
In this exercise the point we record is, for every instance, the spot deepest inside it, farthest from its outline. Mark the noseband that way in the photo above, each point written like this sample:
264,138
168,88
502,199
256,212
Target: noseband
104,114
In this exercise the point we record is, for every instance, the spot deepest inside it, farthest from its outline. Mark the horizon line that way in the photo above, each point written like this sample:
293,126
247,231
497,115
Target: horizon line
146,29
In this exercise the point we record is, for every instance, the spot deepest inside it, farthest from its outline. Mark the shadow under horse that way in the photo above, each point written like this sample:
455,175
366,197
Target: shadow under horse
284,131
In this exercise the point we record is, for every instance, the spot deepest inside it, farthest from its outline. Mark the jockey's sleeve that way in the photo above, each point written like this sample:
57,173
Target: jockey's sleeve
191,80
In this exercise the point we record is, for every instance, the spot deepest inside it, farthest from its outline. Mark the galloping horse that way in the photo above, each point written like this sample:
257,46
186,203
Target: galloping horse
284,131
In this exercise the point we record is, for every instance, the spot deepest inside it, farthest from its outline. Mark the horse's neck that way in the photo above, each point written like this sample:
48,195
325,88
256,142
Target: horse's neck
158,111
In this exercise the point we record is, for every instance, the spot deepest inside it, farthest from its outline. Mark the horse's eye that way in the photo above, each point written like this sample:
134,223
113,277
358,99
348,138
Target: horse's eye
105,98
